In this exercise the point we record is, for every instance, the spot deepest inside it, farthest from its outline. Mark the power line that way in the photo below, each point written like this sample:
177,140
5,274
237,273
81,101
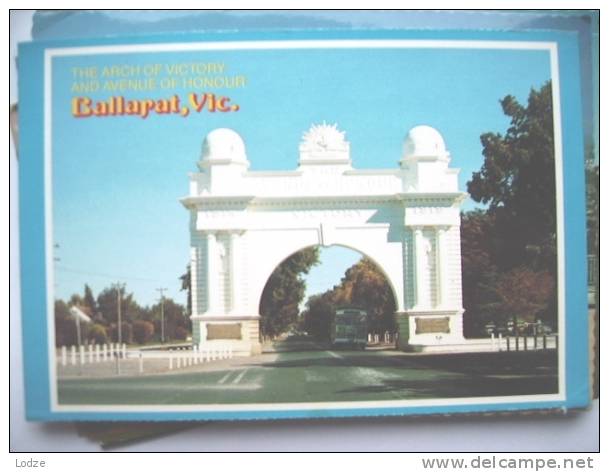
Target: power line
100,274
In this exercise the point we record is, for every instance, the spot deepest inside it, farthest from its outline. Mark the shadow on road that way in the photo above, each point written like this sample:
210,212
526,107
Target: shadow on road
468,363
437,375
462,387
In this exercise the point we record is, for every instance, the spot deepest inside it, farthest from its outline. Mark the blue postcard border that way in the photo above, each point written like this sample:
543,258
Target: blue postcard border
33,250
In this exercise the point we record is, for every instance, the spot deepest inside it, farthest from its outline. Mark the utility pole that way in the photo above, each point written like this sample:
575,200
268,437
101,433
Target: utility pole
161,290
119,287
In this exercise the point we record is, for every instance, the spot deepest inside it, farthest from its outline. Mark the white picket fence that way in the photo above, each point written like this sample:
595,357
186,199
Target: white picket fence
175,358
386,338
90,354
184,357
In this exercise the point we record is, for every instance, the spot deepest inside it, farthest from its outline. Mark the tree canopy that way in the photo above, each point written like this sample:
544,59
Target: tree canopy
138,322
509,248
517,182
284,291
363,285
186,285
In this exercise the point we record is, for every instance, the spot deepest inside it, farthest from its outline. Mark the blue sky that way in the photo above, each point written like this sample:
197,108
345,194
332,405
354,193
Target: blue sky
117,180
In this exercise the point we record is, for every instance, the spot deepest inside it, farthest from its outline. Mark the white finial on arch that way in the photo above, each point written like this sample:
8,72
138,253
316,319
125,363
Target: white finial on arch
323,136
324,144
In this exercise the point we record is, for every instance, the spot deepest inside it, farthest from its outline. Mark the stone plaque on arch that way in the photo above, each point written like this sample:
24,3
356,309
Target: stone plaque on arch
223,331
432,325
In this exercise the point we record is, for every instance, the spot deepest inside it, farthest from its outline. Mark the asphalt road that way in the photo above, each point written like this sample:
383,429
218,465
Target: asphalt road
326,375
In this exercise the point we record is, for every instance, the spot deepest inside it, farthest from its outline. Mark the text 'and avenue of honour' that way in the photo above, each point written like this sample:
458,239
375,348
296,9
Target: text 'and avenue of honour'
200,81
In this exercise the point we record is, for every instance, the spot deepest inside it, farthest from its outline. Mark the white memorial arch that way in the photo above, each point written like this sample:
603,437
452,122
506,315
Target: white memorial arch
244,223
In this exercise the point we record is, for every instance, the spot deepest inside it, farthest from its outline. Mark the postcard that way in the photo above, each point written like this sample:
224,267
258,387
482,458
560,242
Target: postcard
302,225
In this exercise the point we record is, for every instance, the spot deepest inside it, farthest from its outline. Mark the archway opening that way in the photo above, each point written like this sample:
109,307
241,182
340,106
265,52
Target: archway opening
304,292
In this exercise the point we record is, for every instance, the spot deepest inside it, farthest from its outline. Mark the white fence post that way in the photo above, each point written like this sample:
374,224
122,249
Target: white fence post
500,341
105,352
97,353
493,342
179,361
170,360
64,356
81,354
195,354
73,354
141,363
90,353
124,351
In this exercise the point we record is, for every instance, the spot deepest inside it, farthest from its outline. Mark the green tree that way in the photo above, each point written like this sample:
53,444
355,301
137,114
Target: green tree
98,334
126,332
317,316
517,182
284,291
142,331
479,271
524,295
509,249
89,301
365,285
76,300
107,304
65,325
187,286
65,328
593,225
176,318
592,205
